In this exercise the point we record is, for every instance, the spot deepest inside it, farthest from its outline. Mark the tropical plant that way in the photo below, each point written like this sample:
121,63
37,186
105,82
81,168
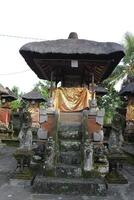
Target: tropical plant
15,90
129,51
16,104
110,102
43,88
127,66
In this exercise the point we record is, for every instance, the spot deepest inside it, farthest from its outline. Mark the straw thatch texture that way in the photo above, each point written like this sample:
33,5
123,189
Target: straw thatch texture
33,95
3,90
11,96
56,55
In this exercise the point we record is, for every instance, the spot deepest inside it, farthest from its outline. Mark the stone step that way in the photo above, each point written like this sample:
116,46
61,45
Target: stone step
71,117
66,145
68,171
70,157
72,186
70,135
70,127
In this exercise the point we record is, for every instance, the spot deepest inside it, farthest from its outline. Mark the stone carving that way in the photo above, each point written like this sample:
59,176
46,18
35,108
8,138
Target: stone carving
39,152
116,138
25,134
88,156
100,116
42,134
93,107
50,106
50,154
98,136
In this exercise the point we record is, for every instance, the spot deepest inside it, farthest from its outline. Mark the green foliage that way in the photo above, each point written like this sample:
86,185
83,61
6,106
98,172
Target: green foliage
43,88
129,50
15,90
110,102
15,105
127,67
118,74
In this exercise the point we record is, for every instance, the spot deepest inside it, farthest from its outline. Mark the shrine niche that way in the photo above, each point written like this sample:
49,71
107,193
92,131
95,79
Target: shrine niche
71,99
34,99
6,114
127,91
75,149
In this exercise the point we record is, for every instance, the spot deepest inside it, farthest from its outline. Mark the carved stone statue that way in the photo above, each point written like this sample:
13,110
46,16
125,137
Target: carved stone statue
98,136
25,134
50,105
93,107
88,156
116,138
50,151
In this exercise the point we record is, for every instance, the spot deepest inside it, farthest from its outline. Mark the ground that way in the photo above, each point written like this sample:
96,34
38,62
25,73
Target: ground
20,190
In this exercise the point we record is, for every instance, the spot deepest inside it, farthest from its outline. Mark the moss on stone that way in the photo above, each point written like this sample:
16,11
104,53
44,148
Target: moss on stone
129,159
11,143
91,174
26,174
49,173
115,177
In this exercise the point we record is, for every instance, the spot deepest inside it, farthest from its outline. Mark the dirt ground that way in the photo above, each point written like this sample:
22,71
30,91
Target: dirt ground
20,190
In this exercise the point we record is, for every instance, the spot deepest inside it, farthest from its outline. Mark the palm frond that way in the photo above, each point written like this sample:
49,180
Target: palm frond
129,48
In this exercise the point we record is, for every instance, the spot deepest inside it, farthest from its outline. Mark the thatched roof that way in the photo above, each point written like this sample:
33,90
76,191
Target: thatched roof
128,90
33,95
100,90
55,56
3,90
11,96
127,86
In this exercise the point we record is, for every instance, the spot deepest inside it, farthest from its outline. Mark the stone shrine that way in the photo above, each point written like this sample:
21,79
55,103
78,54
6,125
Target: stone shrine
75,160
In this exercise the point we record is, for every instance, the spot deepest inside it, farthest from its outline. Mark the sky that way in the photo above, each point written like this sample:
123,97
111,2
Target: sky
35,20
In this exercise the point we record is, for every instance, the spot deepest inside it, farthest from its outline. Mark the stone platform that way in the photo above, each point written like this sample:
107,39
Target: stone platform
11,189
69,186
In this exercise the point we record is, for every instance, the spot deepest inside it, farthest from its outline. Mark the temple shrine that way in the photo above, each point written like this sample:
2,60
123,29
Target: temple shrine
5,113
75,149
127,91
34,99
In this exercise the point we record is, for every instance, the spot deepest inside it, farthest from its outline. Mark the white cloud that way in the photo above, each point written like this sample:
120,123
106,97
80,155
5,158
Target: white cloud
49,19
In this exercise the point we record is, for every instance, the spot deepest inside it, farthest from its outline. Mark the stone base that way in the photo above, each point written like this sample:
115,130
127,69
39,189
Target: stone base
68,171
2,144
69,186
115,178
70,158
26,174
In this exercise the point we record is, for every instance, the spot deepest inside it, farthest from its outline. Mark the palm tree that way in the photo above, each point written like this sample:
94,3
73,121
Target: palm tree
127,67
112,100
129,51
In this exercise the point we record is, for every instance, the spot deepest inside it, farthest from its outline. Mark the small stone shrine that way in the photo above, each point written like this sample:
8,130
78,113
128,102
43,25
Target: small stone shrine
38,115
116,156
24,153
127,91
2,91
75,160
6,130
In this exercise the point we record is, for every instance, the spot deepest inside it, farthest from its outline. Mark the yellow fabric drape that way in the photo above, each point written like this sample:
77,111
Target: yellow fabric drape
34,111
71,99
130,110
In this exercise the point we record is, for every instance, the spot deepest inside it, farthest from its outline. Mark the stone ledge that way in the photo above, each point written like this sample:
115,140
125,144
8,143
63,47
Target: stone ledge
74,186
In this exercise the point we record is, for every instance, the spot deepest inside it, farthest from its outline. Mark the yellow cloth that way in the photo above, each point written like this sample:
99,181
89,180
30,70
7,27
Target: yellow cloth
34,111
130,109
71,99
